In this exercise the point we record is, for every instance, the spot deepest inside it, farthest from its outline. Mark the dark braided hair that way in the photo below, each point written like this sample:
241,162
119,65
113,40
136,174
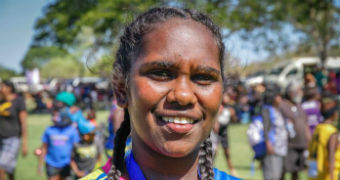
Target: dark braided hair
129,49
206,160
119,148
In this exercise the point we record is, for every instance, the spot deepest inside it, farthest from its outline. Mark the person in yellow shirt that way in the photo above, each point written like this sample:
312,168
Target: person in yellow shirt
324,151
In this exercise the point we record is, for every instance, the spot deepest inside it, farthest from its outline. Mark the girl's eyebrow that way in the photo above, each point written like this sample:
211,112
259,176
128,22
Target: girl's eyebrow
159,64
169,64
206,69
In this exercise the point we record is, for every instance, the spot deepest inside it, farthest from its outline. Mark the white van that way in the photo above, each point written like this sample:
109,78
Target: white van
21,85
294,70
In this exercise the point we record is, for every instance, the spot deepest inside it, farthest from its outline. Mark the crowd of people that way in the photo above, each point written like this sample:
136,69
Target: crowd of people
299,131
87,94
171,111
70,143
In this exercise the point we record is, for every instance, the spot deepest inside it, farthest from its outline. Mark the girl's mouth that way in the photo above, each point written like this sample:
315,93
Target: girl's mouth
178,125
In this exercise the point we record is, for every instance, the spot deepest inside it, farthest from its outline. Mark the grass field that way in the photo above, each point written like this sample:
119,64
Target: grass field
240,151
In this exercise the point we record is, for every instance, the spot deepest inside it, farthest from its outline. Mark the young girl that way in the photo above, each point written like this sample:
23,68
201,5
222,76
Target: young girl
168,78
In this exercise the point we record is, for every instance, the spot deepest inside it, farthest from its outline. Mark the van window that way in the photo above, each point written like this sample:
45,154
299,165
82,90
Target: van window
276,71
292,72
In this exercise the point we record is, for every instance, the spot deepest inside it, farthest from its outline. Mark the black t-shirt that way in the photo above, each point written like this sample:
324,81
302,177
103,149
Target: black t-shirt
9,117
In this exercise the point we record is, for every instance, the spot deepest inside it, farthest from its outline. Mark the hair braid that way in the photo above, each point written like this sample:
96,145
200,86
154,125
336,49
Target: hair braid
119,149
206,160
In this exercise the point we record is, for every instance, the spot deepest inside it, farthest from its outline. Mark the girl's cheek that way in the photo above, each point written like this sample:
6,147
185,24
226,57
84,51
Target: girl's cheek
149,90
212,97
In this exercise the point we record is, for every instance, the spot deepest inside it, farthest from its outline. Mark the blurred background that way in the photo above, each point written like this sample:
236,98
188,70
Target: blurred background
46,43
49,46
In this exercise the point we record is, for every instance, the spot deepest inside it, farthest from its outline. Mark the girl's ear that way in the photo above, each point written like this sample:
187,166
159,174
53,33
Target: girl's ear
120,89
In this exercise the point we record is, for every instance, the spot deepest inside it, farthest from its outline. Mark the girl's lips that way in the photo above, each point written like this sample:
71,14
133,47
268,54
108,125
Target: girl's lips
177,125
179,128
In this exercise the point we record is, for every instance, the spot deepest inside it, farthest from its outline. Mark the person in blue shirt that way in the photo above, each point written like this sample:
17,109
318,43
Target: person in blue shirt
58,141
168,78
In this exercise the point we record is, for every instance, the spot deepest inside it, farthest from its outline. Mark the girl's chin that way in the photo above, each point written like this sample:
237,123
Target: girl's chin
177,151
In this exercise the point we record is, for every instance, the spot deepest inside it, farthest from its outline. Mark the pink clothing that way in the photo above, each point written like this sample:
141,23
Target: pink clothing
106,168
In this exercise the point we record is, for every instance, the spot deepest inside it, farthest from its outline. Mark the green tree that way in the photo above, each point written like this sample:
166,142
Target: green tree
65,67
64,20
6,73
263,22
37,56
102,67
318,20
60,23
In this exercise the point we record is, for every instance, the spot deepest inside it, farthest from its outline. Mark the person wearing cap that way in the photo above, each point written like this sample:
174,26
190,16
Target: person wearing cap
58,141
86,153
67,100
13,129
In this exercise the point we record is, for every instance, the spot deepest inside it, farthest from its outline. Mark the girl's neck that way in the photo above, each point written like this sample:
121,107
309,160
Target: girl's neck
157,166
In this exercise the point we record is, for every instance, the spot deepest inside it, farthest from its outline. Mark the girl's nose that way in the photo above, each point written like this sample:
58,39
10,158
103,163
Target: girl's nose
182,93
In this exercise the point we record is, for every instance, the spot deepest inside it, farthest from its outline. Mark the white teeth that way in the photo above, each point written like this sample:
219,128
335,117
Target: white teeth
178,120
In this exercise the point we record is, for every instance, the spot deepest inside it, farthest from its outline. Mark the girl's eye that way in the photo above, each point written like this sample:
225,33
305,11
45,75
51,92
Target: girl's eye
203,79
161,75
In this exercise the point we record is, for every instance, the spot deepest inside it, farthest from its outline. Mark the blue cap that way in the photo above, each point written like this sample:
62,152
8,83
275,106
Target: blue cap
85,127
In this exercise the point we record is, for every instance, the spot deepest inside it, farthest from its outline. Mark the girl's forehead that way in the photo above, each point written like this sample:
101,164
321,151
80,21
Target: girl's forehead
177,30
184,39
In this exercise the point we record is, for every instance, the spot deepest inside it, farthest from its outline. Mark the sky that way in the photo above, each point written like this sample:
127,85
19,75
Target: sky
17,19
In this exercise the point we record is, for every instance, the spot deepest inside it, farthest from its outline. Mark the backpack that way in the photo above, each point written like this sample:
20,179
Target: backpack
255,134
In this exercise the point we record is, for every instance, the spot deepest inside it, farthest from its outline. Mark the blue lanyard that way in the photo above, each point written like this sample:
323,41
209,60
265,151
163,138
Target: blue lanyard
134,171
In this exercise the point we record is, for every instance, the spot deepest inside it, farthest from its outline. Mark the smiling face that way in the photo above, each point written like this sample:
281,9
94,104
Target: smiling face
175,88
